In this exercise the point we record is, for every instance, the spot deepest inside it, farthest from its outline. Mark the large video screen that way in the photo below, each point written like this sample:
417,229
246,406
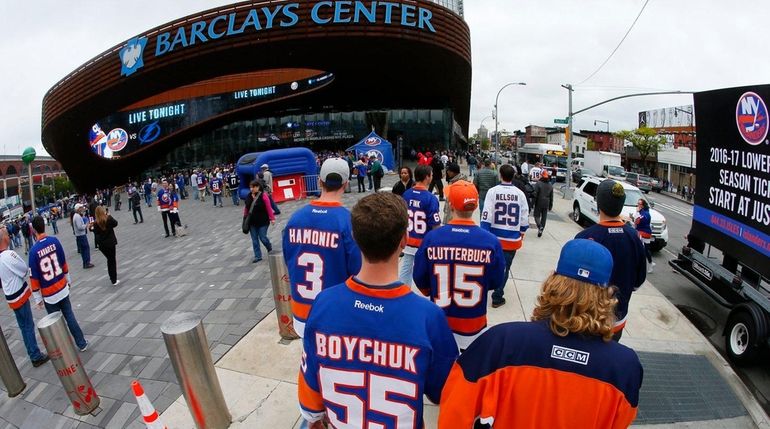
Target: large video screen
122,133
732,198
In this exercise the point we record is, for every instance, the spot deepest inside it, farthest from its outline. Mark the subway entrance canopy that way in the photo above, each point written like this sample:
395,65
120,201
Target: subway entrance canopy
126,109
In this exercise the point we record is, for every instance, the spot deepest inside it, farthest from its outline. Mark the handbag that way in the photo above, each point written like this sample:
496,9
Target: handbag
245,227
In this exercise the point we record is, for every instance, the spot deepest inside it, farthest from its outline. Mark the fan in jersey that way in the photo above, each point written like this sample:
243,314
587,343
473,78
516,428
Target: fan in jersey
318,244
201,179
216,190
506,215
559,371
373,348
535,172
167,201
423,211
232,185
458,264
49,273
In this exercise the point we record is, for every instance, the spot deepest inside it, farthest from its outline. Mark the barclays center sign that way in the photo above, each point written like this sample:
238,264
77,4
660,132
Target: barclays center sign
277,16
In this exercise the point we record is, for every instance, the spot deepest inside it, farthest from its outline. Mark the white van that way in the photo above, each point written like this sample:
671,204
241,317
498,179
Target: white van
577,163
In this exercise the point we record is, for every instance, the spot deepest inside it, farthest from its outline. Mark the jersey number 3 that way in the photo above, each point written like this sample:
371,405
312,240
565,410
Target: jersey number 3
314,265
49,266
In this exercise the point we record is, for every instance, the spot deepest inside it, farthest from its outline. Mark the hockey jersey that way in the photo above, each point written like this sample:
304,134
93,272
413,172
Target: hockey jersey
456,266
520,375
319,251
48,270
423,209
629,269
369,355
535,173
201,181
506,215
13,269
167,200
232,181
216,186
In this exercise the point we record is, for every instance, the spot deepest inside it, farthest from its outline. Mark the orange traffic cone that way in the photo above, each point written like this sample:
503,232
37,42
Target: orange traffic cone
149,414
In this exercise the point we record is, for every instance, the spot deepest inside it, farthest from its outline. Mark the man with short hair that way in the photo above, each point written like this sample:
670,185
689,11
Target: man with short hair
506,215
318,245
453,175
558,371
458,264
525,169
216,190
485,180
543,197
80,225
621,239
201,183
49,274
422,208
438,175
232,185
17,292
148,192
267,178
194,184
136,205
370,340
535,172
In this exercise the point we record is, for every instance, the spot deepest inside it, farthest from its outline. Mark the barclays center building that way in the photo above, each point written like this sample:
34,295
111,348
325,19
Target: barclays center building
259,75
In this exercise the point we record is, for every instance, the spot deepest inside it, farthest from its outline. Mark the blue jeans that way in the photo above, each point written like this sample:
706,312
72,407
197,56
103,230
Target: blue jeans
195,192
217,197
85,249
472,169
54,226
273,205
27,327
259,233
66,309
148,199
371,182
234,195
405,269
497,295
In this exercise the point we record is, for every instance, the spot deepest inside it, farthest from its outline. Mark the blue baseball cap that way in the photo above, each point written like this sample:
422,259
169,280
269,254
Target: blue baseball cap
587,261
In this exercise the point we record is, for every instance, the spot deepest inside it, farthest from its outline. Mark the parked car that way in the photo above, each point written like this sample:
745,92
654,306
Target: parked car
640,181
582,172
584,208
656,184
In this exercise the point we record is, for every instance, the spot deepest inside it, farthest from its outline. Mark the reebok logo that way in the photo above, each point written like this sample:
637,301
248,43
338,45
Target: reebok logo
369,307
316,211
570,355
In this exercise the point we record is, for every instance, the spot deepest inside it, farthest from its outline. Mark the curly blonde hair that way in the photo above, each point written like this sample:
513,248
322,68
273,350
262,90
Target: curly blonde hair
577,307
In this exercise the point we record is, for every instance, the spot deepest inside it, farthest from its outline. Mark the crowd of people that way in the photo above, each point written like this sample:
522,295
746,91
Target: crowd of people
372,347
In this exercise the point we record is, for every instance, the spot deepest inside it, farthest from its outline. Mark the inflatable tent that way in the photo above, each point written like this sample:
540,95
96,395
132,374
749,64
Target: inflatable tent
378,146
289,168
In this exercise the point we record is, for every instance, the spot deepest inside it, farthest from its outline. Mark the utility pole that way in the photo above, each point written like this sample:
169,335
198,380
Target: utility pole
568,191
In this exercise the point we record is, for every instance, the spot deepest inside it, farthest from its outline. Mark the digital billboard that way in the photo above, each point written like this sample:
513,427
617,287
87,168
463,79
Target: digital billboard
127,131
732,200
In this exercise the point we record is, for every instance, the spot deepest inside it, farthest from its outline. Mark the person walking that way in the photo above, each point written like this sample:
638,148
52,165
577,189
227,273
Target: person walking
399,346
318,245
378,172
104,230
49,274
485,180
260,217
362,173
148,192
194,184
405,181
216,186
267,179
232,185
17,292
201,185
642,222
551,372
543,197
55,216
458,264
506,215
629,262
165,203
453,175
438,175
81,225
136,206
422,208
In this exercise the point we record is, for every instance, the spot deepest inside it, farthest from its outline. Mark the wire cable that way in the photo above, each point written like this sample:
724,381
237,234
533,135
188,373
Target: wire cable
616,47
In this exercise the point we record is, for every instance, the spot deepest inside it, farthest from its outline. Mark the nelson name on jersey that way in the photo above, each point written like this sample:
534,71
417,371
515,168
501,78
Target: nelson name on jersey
315,237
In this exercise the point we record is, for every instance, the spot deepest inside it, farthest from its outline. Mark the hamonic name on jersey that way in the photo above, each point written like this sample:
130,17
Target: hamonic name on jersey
315,237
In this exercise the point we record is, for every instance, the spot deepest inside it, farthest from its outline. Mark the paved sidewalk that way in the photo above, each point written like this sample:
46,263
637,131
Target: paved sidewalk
687,383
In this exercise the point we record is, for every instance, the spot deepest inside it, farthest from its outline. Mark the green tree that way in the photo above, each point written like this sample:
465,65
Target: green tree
645,140
485,144
62,186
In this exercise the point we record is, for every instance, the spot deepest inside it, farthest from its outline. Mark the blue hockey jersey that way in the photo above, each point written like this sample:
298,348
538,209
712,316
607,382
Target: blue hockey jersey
369,355
320,252
629,269
216,185
423,209
456,266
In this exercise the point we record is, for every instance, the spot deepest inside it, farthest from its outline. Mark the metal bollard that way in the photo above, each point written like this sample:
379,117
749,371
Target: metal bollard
66,361
279,276
9,372
188,349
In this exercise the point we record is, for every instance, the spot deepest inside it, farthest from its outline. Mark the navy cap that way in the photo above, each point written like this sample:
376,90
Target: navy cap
585,260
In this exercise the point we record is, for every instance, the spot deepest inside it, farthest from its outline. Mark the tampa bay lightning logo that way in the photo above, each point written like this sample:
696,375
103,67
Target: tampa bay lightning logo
149,133
131,56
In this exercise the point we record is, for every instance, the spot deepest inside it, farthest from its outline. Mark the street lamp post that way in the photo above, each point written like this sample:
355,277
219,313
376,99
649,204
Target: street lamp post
497,120
597,121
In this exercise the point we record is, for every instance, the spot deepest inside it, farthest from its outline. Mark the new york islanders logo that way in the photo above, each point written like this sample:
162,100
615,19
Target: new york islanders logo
117,139
372,141
751,117
131,56
377,154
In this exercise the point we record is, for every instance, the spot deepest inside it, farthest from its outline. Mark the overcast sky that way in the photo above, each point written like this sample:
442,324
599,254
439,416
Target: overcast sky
676,45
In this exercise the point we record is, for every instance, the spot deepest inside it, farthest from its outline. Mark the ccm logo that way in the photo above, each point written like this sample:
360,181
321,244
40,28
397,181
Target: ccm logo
570,355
